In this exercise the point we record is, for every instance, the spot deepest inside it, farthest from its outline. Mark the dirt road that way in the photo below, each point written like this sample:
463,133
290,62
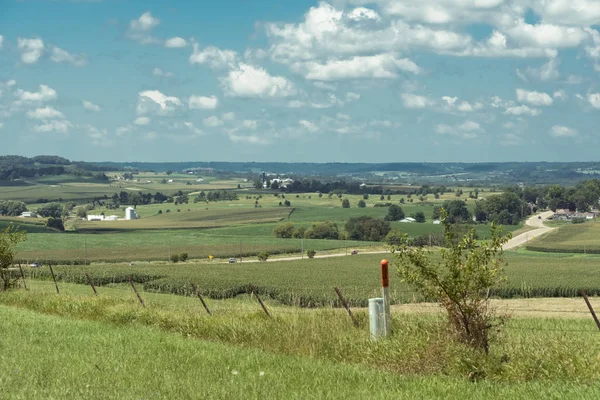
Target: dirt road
535,222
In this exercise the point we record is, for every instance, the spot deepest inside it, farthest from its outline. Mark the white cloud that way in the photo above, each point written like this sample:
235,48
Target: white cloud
88,105
154,101
463,106
415,101
342,116
45,113
309,126
46,93
31,50
362,13
523,110
160,72
54,126
324,85
562,131
534,98
140,29
202,102
250,139
123,130
351,96
99,137
142,121
59,55
213,56
250,124
296,104
497,45
568,12
377,66
212,121
594,99
228,116
1,125
467,130
546,35
548,71
559,94
1,41
176,42
574,80
249,81
192,127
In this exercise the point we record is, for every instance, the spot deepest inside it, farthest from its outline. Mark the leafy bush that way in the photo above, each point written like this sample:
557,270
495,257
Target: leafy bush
299,233
262,257
183,257
361,204
55,223
323,230
395,213
53,210
367,228
175,258
578,220
311,253
345,203
284,231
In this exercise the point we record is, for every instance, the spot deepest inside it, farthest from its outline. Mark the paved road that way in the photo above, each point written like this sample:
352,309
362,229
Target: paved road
535,222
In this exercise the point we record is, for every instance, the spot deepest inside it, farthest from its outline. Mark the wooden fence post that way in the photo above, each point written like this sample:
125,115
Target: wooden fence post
54,278
136,293
201,299
260,301
587,301
339,293
89,278
23,276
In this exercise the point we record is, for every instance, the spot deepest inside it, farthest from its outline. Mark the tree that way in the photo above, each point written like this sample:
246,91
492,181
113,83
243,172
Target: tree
361,204
311,253
284,231
367,228
366,196
183,257
12,208
263,256
323,230
457,211
275,185
394,238
395,213
402,200
382,197
55,223
345,203
460,280
175,258
81,213
419,216
10,237
299,233
53,210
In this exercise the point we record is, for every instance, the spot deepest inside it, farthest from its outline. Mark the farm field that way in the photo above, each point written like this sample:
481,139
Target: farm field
310,283
108,346
570,238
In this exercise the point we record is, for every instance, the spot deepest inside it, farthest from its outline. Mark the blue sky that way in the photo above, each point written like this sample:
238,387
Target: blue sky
267,80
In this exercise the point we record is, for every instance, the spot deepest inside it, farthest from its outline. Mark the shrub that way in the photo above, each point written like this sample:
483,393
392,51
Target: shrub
10,237
175,258
284,231
262,257
345,203
183,257
299,233
311,253
323,230
395,213
361,204
419,216
159,211
578,220
367,228
55,223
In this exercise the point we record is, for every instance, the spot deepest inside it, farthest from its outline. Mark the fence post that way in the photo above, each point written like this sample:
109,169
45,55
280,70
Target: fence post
23,276
136,293
91,283
260,301
339,293
385,290
54,278
587,301
201,299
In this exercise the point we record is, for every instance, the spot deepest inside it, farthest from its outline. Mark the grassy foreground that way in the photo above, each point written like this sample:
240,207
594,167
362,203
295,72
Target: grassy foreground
62,358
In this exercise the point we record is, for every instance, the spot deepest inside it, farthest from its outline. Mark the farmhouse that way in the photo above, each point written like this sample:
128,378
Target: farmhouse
408,220
28,214
567,215
91,217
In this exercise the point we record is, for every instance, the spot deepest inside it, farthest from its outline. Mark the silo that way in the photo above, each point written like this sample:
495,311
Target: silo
130,213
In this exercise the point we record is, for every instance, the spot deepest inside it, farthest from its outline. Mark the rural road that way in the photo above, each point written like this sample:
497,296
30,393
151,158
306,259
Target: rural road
533,221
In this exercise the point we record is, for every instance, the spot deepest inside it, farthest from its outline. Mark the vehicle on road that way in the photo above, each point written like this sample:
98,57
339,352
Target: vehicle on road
232,260
35,265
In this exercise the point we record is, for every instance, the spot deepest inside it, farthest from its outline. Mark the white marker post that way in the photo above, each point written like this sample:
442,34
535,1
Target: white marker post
385,283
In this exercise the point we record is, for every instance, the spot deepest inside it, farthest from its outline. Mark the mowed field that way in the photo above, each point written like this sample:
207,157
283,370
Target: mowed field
310,282
570,238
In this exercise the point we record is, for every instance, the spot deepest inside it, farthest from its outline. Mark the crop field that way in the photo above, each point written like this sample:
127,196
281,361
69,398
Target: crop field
570,238
310,283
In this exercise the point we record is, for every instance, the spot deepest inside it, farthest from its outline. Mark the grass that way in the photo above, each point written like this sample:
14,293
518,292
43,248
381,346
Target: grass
533,350
310,283
64,358
570,238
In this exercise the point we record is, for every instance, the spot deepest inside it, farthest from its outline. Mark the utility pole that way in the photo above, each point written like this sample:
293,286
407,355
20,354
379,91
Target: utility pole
240,251
302,248
85,250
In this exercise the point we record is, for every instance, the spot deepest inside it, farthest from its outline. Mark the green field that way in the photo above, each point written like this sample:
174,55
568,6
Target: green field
310,283
74,346
570,238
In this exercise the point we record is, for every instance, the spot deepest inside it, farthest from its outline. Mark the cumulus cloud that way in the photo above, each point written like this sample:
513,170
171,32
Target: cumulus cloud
548,71
45,113
59,56
250,81
415,101
534,98
213,121
88,105
452,103
98,137
1,41
59,126
213,56
142,121
153,101
176,42
522,110
562,131
559,94
249,139
31,49
594,100
203,102
195,131
160,72
45,93
467,130
358,67
309,126
140,29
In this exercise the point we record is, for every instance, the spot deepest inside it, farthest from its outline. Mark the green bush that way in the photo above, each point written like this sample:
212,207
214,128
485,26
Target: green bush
262,257
311,253
183,257
175,258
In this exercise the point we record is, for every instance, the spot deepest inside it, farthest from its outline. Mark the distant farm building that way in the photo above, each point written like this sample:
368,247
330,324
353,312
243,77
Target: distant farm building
111,218
408,220
91,217
437,222
567,215
28,214
130,213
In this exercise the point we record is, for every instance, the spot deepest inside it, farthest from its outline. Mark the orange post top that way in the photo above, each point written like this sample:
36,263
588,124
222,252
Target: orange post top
385,281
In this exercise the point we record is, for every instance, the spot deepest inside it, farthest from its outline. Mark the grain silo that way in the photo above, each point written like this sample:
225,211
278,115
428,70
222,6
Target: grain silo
130,213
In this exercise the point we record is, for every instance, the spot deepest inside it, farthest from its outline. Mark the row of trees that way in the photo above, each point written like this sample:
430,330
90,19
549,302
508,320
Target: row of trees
12,208
581,197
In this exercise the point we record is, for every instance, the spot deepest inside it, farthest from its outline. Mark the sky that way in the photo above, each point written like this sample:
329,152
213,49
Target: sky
301,81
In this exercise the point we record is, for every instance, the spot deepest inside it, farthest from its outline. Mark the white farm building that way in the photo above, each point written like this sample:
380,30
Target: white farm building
130,213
